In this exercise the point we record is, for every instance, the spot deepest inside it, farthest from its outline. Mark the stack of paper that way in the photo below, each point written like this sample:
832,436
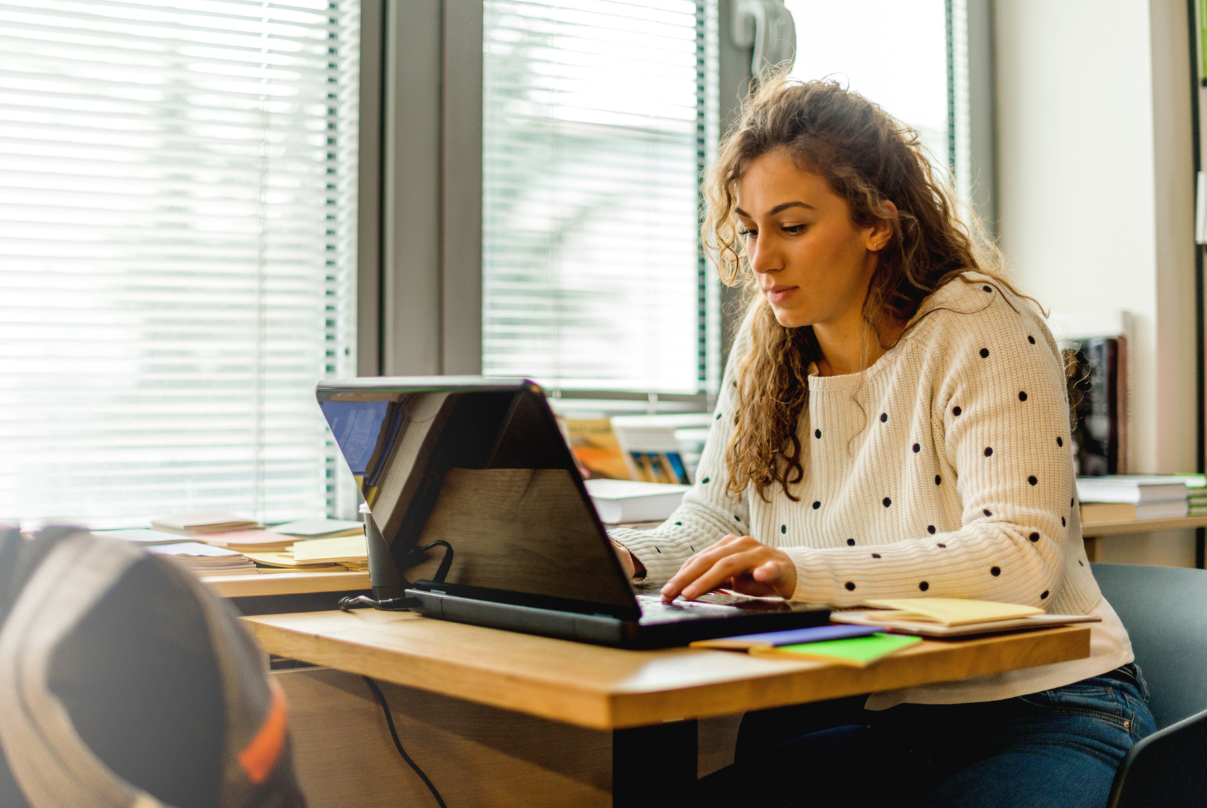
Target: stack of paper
844,645
320,528
140,536
202,559
283,561
1196,493
953,617
350,551
202,523
1121,497
245,541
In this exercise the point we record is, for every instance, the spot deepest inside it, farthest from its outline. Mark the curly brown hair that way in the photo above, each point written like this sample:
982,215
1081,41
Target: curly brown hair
867,157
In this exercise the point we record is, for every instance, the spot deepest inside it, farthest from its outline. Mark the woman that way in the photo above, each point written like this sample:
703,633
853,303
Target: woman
893,423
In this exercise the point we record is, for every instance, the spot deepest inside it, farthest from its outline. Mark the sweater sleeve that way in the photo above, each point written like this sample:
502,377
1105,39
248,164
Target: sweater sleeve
707,513
1000,407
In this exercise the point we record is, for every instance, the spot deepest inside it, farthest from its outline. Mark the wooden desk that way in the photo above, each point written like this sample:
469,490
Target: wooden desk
279,592
1092,531
649,700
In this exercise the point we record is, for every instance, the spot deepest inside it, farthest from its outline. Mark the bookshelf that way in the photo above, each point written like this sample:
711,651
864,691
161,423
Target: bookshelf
1097,529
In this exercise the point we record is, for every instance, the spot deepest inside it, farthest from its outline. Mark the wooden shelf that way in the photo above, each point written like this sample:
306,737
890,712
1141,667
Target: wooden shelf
1095,529
286,583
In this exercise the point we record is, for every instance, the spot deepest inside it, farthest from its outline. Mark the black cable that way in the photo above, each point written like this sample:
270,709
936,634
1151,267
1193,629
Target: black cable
397,743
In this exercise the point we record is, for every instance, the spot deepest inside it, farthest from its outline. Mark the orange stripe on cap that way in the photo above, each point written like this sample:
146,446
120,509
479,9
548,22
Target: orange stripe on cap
260,756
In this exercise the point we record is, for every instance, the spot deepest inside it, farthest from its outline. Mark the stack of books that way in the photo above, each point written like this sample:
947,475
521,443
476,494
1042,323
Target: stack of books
1122,497
204,559
1196,493
224,543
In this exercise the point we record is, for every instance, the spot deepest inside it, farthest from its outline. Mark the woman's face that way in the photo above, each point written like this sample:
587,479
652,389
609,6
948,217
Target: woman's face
811,261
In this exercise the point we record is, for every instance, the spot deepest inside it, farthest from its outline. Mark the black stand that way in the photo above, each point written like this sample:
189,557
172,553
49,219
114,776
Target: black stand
654,765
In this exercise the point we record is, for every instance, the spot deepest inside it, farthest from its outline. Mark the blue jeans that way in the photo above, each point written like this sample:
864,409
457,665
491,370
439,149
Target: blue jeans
1057,748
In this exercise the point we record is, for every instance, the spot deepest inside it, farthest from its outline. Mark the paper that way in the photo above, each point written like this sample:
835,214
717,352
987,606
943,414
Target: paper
320,528
344,548
856,651
950,611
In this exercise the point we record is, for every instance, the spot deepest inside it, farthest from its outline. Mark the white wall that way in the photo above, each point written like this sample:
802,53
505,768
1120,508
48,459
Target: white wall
1095,199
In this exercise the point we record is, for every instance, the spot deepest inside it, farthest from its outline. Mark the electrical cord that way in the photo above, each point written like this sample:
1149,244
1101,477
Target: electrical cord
381,699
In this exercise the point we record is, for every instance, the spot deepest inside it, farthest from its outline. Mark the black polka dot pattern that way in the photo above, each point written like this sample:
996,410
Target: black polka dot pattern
917,448
1033,480
1043,595
1030,339
817,434
850,542
1072,502
1034,537
956,411
995,571
850,586
1059,441
1022,395
988,451
938,479
887,502
883,417
924,586
987,512
718,416
941,546
783,528
1063,523
659,551
737,518
704,481
678,524
930,529
984,353
816,505
875,555
987,289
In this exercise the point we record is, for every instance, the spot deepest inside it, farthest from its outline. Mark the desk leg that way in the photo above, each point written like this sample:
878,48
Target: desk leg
652,764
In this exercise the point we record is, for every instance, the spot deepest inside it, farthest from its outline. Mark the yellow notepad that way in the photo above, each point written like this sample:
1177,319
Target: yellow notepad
344,548
949,611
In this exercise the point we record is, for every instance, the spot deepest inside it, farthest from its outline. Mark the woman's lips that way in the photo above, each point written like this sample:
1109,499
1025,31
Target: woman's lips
778,294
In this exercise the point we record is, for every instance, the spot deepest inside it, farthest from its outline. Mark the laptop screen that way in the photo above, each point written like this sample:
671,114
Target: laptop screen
481,465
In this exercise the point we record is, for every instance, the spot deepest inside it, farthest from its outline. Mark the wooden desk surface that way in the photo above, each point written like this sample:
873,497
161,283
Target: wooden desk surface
608,688
286,583
1095,529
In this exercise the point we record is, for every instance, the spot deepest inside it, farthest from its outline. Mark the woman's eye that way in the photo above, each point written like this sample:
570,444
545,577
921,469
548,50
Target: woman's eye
744,233
794,229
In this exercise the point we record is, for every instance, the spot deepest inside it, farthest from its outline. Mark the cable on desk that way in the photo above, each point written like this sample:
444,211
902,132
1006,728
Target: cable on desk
381,699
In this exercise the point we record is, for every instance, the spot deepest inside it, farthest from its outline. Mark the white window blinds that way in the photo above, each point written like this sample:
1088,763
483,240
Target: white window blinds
177,253
593,145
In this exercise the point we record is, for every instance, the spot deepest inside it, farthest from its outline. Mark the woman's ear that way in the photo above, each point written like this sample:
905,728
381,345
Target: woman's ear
882,232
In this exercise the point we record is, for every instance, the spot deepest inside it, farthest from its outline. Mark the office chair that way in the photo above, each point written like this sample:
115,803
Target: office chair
1164,610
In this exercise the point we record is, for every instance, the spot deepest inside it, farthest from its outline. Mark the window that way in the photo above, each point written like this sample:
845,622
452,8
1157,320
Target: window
178,185
593,144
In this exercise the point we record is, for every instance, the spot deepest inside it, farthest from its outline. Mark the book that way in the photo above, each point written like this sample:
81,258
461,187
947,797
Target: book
794,636
202,522
652,450
1134,490
858,652
949,611
1122,511
632,501
595,448
937,630
1097,379
319,528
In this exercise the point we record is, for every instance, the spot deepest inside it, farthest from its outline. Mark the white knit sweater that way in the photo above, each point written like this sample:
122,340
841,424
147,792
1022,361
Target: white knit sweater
942,470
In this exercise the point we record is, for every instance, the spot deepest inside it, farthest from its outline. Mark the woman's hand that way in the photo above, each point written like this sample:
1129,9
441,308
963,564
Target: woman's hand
735,562
628,561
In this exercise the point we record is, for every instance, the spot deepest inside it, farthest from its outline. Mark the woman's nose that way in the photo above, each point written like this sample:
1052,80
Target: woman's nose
764,257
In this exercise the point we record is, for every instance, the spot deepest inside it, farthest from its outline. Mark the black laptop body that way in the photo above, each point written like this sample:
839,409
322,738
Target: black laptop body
481,517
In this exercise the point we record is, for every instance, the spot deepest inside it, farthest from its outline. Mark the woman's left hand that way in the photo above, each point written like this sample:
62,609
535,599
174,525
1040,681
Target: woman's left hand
735,562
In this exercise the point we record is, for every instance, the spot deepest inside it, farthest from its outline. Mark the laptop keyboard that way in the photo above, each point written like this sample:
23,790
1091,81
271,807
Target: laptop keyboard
653,610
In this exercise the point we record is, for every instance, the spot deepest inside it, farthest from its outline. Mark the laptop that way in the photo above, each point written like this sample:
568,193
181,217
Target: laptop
479,515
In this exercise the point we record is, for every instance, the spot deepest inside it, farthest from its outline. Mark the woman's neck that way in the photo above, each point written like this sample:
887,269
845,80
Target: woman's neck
855,348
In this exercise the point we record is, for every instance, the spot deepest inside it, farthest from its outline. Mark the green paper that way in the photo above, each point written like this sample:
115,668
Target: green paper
857,649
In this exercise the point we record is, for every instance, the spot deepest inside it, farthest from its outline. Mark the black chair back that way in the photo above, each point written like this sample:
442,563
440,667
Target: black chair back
1164,610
